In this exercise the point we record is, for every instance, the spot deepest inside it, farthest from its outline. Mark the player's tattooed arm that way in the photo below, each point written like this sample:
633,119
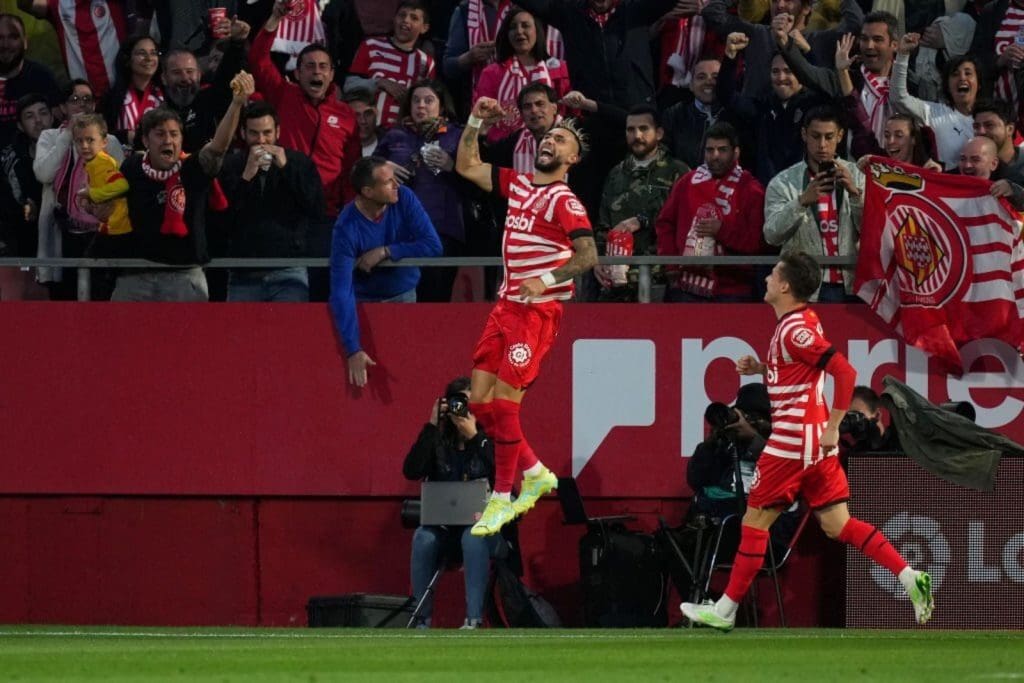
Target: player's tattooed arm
583,259
467,162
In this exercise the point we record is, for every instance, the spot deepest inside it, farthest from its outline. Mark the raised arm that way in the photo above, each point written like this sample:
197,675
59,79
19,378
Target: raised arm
467,162
900,97
211,156
271,82
725,87
823,80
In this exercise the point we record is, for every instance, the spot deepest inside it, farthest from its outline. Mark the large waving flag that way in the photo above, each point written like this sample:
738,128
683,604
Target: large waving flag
941,260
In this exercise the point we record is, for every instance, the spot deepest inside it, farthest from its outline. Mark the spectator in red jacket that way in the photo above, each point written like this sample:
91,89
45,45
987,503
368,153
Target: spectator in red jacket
313,120
715,210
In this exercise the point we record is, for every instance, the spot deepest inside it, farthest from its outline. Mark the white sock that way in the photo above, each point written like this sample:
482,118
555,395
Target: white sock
507,496
907,577
535,471
726,607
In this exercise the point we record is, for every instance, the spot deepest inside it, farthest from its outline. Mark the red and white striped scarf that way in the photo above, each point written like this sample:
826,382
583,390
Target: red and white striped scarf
1006,35
514,78
687,50
480,31
554,44
136,104
702,281
602,19
525,153
876,101
300,27
828,227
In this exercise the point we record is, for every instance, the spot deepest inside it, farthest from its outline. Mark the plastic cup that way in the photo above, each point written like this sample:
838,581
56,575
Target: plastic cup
216,14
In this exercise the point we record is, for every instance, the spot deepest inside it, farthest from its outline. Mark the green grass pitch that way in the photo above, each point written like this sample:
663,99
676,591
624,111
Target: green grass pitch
71,654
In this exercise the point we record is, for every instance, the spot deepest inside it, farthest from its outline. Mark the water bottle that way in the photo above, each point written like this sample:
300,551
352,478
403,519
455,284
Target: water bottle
1018,39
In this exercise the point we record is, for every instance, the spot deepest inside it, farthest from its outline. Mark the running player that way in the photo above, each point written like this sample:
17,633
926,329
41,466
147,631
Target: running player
547,242
800,456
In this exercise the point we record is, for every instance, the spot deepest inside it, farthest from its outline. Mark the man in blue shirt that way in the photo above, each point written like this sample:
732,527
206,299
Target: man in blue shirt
385,221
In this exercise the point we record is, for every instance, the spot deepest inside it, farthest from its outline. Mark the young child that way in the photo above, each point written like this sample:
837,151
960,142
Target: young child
89,136
389,65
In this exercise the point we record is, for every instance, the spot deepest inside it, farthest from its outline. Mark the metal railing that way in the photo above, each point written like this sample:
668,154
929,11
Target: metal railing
643,264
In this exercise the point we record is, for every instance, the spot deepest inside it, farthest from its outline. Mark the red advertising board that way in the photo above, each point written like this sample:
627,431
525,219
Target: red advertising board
234,399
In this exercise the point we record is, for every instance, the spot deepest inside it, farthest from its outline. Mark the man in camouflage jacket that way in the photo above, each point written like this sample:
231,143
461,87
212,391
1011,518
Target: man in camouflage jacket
633,194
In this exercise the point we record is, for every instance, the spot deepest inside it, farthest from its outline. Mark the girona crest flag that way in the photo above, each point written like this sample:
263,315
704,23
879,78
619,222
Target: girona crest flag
941,260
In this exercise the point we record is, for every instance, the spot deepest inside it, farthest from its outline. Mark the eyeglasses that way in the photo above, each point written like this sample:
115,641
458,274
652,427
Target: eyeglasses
145,53
81,99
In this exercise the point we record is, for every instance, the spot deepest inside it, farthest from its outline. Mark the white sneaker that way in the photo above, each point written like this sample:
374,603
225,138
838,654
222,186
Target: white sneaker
705,613
471,624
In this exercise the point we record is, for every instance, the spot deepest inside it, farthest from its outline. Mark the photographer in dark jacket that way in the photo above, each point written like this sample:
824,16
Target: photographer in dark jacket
862,429
741,430
452,447
737,437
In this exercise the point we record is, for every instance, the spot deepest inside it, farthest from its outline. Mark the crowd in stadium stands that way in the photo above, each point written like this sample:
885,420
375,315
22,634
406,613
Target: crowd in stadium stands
718,127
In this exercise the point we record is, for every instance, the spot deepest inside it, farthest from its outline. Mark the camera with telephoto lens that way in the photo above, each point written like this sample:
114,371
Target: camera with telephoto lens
720,416
458,404
863,432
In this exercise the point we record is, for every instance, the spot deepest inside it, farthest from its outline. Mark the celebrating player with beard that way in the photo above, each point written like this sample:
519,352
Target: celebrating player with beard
547,242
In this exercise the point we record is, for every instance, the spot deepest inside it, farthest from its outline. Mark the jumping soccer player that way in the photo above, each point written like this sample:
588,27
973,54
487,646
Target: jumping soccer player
800,456
547,242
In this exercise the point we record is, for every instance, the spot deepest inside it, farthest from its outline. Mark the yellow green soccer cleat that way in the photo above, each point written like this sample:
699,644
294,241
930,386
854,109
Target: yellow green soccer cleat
921,597
705,614
497,514
532,489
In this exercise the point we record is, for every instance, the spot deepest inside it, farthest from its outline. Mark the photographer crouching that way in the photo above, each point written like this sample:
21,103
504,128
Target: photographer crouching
862,429
738,435
452,447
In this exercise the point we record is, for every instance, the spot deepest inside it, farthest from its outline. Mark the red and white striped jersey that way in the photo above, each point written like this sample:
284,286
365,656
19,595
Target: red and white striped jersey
796,379
302,26
379,58
541,223
90,33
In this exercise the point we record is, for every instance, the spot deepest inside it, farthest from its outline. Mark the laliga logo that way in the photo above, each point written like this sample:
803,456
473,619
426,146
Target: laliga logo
519,354
920,541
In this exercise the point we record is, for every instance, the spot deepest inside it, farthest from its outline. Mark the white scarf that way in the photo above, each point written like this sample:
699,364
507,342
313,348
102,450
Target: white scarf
878,87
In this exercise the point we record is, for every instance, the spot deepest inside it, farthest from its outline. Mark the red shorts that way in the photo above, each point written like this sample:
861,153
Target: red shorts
778,481
515,340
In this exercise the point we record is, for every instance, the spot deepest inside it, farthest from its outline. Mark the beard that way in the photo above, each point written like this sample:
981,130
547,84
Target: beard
183,95
7,66
641,150
552,164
